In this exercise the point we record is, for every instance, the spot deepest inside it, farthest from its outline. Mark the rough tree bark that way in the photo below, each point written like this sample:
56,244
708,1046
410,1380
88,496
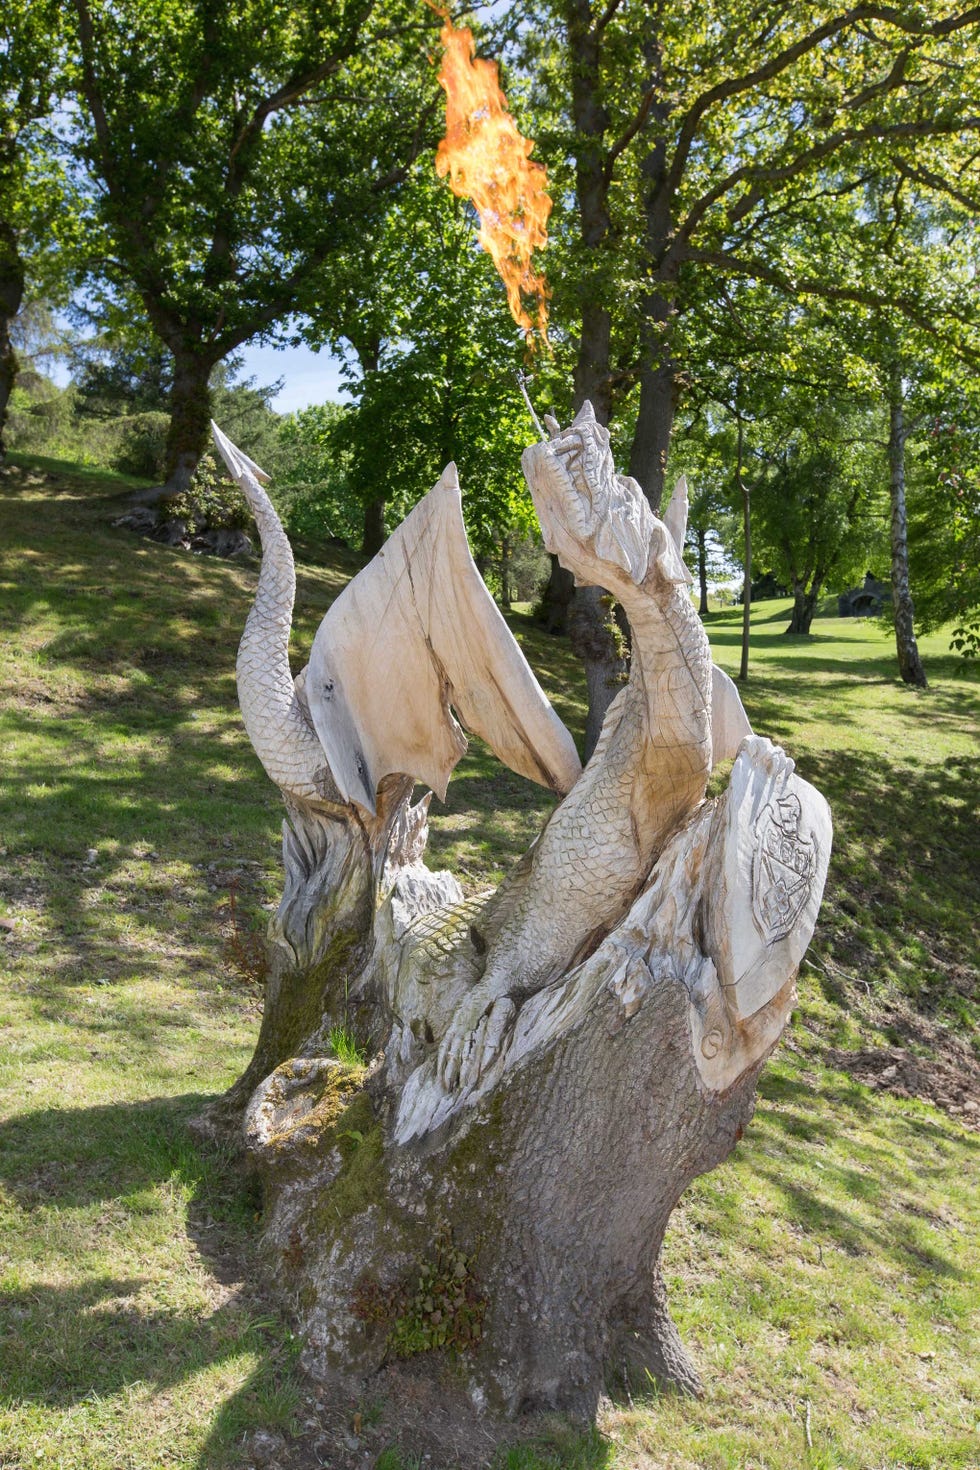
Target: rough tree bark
364,476
551,1063
11,297
806,595
909,662
744,491
657,407
702,553
190,418
373,535
556,599
585,613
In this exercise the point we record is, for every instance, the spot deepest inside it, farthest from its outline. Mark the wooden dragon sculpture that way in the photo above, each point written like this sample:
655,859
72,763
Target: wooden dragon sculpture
637,884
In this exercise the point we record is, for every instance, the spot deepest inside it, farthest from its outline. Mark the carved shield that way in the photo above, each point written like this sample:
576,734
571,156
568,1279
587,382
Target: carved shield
782,868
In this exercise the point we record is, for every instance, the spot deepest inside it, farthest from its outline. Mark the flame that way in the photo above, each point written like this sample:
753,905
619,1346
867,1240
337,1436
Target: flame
488,161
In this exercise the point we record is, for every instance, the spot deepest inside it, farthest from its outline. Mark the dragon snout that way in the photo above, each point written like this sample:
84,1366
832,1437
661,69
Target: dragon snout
560,505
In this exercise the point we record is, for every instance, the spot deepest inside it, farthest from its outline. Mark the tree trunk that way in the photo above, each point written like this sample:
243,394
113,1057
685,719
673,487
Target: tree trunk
590,625
552,1063
518,1226
190,420
596,639
505,592
804,605
743,668
11,297
654,422
556,599
524,1238
909,662
374,526
701,541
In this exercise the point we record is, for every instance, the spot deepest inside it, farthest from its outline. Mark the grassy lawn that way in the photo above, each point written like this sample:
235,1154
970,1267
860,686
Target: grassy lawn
824,1278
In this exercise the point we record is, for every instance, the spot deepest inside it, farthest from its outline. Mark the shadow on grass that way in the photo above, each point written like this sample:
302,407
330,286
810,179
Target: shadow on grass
875,1172
904,886
100,1168
87,1173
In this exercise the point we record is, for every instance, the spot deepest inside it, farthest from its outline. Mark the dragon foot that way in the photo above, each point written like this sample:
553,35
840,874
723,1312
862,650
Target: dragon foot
474,1040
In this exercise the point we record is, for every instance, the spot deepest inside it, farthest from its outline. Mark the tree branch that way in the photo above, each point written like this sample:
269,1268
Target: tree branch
734,86
929,180
809,157
629,133
606,17
828,291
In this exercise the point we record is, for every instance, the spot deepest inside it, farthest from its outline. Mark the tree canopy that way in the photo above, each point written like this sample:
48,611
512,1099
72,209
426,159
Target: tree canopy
235,153
777,197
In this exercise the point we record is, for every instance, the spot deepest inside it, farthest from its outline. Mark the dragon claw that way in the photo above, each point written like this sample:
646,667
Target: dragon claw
467,1050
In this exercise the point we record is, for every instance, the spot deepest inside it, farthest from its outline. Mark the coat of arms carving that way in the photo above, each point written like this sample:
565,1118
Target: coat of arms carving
782,868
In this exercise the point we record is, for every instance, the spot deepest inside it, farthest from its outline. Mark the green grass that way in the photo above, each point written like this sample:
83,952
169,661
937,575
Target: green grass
830,1263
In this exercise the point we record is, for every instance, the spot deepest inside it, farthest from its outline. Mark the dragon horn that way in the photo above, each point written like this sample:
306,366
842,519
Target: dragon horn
278,727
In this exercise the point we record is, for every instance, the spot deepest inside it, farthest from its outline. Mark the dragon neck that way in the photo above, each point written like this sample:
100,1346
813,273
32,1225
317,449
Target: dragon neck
665,729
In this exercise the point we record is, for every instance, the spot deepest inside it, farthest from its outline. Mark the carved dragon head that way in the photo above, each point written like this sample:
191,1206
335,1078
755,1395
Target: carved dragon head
598,523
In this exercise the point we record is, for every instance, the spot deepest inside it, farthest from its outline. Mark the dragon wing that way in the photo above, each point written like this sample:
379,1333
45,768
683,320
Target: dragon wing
412,637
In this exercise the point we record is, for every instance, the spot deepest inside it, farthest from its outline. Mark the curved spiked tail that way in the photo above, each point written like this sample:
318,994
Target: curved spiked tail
278,726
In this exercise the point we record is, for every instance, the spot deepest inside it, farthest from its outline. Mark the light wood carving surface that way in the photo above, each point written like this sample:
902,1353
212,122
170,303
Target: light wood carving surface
590,1033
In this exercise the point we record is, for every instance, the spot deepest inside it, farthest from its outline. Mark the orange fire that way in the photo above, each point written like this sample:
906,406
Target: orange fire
487,160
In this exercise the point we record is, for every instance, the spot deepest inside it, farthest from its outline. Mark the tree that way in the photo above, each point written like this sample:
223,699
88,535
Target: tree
704,452
812,511
909,662
434,360
717,142
128,375
235,154
312,488
35,220
925,216
706,524
944,532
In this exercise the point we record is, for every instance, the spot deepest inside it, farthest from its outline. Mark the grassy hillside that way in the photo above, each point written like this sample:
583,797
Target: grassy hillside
824,1278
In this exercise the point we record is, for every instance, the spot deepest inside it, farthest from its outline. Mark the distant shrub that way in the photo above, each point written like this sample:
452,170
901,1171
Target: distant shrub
314,510
44,419
529,567
141,444
40,415
212,503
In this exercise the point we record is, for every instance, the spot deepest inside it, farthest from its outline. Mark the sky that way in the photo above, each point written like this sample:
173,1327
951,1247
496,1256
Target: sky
308,377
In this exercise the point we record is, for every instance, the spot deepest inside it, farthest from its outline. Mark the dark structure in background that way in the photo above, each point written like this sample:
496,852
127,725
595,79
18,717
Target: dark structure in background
867,601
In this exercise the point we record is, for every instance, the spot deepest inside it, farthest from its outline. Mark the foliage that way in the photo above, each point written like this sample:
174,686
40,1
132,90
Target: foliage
446,1309
433,358
212,501
234,154
439,1306
346,1048
45,419
945,525
312,491
690,154
142,445
116,373
812,501
102,418
36,218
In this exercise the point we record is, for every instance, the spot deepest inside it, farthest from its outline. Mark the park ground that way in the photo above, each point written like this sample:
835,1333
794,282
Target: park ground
825,1278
